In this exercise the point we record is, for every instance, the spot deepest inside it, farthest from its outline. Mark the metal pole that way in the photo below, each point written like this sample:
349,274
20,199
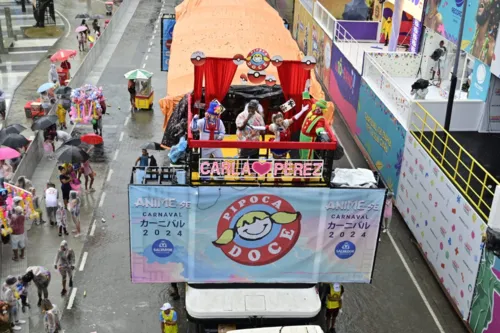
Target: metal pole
453,83
8,20
2,46
23,6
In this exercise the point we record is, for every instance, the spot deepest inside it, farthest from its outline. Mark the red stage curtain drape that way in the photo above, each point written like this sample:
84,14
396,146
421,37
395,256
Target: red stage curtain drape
219,74
293,78
199,72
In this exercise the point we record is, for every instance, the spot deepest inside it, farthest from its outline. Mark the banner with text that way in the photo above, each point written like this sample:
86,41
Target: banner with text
344,87
250,234
381,134
446,227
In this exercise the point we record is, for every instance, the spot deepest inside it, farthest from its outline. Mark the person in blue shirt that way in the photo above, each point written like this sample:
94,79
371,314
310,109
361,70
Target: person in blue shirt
143,160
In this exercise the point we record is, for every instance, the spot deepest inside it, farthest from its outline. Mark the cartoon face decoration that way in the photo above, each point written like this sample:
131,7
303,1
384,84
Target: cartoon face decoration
258,229
258,59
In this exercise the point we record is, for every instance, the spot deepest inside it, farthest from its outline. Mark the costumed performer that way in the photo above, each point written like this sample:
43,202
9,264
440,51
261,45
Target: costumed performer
210,128
280,127
313,126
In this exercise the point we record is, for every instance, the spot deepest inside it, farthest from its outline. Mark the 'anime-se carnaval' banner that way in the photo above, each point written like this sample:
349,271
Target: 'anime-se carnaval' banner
238,234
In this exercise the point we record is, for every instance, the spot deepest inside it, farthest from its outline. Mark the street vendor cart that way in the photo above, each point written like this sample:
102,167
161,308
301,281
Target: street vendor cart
144,90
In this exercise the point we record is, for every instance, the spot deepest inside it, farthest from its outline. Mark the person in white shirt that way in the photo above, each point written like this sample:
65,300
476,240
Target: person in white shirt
51,200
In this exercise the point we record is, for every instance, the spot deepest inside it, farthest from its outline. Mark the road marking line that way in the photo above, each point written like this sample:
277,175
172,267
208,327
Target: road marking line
101,202
154,32
426,302
149,50
116,155
84,260
150,43
412,277
110,172
26,52
126,121
152,37
67,21
146,59
122,133
143,65
71,299
92,230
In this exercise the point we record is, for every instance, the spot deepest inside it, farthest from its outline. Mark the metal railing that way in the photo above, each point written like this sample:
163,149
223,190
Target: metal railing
397,101
349,46
324,19
466,173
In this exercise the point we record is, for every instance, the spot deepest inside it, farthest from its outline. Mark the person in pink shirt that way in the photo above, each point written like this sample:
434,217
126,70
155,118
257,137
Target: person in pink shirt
17,238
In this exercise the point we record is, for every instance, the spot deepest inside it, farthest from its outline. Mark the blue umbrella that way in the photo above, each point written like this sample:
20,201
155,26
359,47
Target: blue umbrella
44,87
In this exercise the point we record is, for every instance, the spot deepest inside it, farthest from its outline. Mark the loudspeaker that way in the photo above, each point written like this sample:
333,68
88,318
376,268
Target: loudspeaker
493,241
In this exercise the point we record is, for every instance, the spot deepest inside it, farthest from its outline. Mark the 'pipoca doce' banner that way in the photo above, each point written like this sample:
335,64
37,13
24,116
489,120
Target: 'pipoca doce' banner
231,234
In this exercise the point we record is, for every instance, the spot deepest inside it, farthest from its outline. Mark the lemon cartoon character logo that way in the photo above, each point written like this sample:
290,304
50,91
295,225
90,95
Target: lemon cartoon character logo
257,230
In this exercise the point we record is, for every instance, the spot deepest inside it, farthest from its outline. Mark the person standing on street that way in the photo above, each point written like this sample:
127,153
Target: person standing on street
62,219
17,238
51,198
41,278
3,105
97,121
4,318
65,263
333,305
37,206
175,292
387,212
168,319
65,180
51,317
74,209
11,297
132,92
88,172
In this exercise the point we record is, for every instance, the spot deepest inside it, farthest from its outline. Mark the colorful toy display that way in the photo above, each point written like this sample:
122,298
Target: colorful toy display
85,101
26,201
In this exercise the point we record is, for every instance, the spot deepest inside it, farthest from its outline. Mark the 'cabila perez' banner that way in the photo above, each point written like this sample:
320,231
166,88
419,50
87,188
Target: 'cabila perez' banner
231,234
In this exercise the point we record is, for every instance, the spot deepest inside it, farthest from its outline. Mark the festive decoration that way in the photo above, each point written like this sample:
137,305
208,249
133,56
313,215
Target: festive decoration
256,77
198,58
270,81
238,59
85,103
308,62
258,59
277,60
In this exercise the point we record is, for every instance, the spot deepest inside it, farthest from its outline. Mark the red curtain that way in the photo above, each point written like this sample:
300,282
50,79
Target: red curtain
293,78
199,72
219,74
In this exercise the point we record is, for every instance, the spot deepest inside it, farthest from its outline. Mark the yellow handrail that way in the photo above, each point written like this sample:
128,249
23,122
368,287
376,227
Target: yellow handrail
451,169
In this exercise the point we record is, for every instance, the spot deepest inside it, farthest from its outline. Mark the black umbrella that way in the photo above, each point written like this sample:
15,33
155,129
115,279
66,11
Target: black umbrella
44,122
63,91
83,15
356,10
152,146
72,142
12,129
14,140
96,17
72,154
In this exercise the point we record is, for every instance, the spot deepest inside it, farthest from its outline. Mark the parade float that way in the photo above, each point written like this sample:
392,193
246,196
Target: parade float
251,236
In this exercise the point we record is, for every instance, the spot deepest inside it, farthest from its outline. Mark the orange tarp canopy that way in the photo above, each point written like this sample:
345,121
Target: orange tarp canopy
224,28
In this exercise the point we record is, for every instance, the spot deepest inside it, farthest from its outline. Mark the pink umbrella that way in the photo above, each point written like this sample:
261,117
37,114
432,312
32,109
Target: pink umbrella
7,153
81,28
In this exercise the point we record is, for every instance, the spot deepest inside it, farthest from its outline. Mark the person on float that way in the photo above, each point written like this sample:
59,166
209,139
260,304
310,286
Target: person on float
280,127
210,128
313,126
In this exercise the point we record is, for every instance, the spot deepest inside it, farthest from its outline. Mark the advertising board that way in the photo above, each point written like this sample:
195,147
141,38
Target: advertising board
167,35
381,134
250,234
344,86
302,27
480,81
446,227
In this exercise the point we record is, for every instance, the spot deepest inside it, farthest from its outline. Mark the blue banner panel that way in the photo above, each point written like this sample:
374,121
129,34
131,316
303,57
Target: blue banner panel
167,35
250,234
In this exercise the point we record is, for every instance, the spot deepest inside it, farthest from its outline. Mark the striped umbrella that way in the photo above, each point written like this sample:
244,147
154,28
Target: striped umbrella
138,74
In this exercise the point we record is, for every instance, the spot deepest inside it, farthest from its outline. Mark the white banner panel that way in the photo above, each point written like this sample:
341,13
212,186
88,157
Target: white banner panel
445,226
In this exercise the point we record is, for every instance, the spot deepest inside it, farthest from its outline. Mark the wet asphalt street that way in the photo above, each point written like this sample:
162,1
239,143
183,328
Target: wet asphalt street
392,303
